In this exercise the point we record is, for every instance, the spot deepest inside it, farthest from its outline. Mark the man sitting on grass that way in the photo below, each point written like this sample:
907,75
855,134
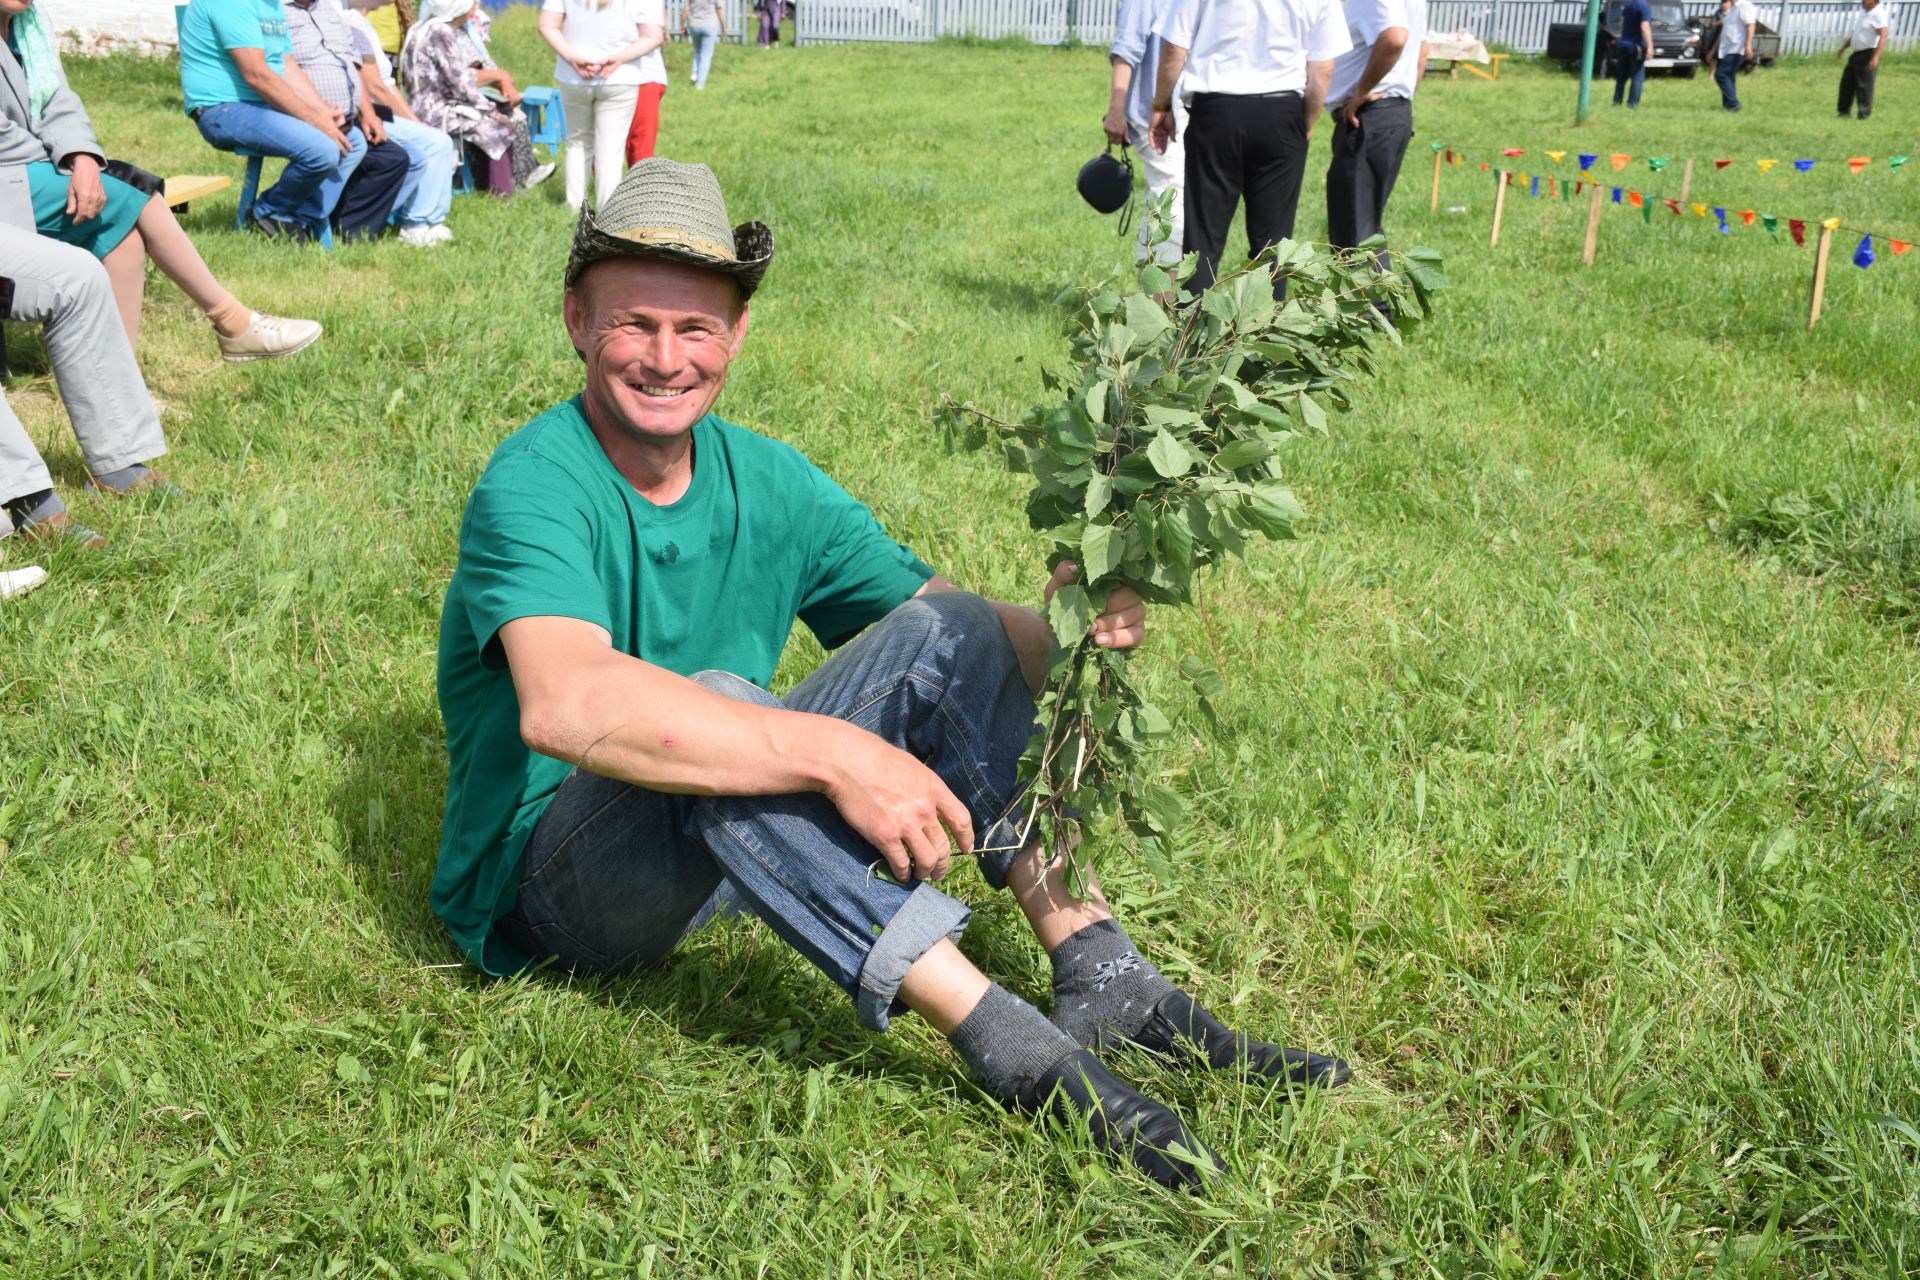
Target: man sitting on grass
630,566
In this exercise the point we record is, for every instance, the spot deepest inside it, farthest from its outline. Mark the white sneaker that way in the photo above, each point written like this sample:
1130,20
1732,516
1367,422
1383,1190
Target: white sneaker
441,232
419,237
540,175
17,582
269,336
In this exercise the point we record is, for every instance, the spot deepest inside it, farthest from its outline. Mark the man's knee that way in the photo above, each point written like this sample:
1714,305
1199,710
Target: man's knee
958,614
729,685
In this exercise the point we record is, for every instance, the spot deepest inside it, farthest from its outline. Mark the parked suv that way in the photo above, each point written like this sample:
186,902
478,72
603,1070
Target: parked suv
1676,46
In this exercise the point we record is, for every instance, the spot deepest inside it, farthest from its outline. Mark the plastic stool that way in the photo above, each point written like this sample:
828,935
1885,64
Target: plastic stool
250,187
546,117
463,176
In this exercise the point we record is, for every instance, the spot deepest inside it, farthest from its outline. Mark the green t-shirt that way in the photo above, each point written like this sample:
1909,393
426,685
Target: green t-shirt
711,582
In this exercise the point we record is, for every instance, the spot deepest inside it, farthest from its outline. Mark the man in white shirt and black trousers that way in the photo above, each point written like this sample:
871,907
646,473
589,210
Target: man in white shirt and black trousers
1371,99
1255,76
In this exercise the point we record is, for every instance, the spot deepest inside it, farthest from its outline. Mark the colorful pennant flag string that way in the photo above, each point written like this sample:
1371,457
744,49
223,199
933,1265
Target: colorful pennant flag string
1863,256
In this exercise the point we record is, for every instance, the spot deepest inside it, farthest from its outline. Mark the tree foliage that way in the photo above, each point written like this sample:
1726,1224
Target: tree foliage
1157,454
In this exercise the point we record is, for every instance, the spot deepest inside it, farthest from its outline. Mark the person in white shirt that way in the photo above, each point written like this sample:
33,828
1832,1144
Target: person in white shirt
601,48
1254,74
1735,49
1867,39
420,210
1135,56
1371,98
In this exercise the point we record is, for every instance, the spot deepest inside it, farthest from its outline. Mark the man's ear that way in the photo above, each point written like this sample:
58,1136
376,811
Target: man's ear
739,331
574,309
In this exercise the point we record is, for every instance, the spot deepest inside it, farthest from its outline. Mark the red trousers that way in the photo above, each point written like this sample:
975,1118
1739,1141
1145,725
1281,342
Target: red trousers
646,123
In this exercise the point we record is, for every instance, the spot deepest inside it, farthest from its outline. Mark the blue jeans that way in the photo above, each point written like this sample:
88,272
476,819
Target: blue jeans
616,875
427,194
1724,72
704,40
1629,69
315,173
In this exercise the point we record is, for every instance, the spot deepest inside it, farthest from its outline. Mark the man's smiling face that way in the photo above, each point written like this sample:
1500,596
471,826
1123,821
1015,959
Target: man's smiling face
657,338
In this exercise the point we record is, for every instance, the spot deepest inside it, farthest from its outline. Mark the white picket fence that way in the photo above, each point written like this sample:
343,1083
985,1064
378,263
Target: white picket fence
1805,26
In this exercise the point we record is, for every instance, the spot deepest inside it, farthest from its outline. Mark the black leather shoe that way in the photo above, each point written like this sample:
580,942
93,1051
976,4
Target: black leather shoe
1126,1122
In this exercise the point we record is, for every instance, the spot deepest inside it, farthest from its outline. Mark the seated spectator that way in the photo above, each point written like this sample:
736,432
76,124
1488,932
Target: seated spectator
245,93
427,196
323,48
116,212
455,87
65,290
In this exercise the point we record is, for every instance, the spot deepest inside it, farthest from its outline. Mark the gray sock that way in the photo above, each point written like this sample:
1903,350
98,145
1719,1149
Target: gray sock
29,508
1010,1045
1103,990
122,480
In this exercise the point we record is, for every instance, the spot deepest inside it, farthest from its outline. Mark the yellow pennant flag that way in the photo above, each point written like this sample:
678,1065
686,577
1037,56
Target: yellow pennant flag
1699,211
1766,164
1831,224
1556,156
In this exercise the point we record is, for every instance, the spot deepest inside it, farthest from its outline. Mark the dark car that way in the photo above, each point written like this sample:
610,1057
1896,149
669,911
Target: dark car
1676,46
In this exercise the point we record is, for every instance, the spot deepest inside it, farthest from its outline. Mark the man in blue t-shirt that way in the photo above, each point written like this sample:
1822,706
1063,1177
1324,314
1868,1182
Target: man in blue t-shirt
630,567
1631,51
246,93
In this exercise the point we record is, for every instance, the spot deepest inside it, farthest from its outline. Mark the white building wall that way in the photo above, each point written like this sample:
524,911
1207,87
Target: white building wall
96,26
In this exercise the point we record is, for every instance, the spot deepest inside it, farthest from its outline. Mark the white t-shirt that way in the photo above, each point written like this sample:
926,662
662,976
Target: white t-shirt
1867,27
1733,27
597,32
366,43
1253,46
1366,19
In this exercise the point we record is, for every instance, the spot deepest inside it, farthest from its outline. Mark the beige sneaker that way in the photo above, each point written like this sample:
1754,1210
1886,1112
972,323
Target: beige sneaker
269,336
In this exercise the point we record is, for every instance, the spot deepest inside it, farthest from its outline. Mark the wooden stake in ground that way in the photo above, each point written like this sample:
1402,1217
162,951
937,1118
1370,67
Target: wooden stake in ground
1820,274
1593,225
1499,207
1433,205
1686,182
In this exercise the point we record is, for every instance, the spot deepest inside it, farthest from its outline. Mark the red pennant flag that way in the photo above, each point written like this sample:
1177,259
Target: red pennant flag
1634,199
1553,188
1857,163
1483,166
1513,151
1449,155
1675,206
1747,216
1898,246
1797,228
1721,164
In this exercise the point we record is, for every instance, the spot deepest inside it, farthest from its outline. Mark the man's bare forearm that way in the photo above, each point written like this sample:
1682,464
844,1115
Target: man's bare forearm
1386,52
1319,76
1173,60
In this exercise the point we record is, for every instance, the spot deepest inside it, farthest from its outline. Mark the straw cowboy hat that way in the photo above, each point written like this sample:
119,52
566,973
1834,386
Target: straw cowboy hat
663,209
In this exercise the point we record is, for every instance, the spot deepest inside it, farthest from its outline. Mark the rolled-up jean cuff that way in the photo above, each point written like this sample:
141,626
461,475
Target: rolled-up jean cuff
1003,837
926,917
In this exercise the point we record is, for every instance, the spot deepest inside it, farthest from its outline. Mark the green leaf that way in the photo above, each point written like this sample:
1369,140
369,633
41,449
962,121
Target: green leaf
1243,453
1152,721
1099,552
1205,680
348,1068
1071,614
1146,318
1115,341
1169,457
1311,413
1099,493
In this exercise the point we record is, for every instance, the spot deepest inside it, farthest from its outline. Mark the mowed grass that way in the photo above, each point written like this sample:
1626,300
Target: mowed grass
1564,783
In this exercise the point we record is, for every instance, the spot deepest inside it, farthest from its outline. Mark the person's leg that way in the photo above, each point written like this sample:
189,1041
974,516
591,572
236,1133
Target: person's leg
1863,83
324,204
1163,174
705,40
366,201
579,101
1621,74
615,112
312,158
1275,163
646,122
432,195
66,291
1849,79
173,252
1347,181
1725,74
1639,81
126,266
1389,128
1214,147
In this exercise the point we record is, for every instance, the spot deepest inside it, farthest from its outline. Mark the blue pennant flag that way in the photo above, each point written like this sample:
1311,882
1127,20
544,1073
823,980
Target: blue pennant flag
1533,188
1721,214
1586,161
1803,165
1863,256
1616,195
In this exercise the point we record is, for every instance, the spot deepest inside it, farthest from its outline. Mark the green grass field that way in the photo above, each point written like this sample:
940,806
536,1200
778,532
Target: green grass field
1566,780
